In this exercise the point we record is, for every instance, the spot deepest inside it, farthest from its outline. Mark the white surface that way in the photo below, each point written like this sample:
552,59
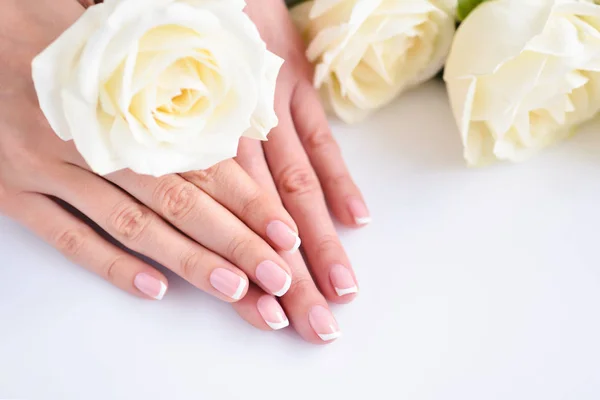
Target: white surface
475,285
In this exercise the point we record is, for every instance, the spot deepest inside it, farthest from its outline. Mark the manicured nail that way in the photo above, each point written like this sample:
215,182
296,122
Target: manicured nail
150,286
273,277
272,312
322,321
342,280
359,211
285,238
227,282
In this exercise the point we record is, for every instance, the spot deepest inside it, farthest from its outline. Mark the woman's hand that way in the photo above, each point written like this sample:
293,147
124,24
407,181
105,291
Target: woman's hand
215,228
302,164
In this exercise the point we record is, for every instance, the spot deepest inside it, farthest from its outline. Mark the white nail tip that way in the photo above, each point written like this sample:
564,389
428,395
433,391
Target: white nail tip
238,293
296,245
163,290
326,337
343,292
278,325
363,221
286,286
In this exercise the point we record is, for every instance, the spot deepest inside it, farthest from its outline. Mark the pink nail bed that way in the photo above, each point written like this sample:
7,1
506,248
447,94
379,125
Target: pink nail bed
271,312
342,280
283,237
150,285
274,278
323,323
229,283
359,211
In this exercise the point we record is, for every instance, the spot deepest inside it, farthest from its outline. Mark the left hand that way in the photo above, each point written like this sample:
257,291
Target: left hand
302,164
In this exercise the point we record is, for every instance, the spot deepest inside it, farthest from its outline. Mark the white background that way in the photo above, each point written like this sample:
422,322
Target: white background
475,285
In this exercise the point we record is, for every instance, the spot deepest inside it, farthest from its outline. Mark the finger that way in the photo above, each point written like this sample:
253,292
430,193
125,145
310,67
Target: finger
261,310
343,196
301,193
82,245
199,216
304,304
252,160
233,188
143,231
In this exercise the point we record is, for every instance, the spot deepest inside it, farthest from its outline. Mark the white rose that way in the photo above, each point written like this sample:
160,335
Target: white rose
522,74
158,86
367,52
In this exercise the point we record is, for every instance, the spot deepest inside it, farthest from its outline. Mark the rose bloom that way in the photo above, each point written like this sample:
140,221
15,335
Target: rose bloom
522,74
158,86
366,52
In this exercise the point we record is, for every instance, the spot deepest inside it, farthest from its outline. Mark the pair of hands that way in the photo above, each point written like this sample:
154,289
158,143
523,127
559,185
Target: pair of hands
226,230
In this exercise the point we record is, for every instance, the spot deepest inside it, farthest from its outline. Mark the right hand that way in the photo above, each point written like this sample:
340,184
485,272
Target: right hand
215,228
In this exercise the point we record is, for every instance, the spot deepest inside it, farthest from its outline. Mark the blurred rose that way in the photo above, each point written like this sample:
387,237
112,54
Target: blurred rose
366,52
522,74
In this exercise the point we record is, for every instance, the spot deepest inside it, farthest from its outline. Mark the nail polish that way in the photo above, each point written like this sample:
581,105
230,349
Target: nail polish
323,323
229,283
150,286
359,211
342,280
272,313
283,237
274,278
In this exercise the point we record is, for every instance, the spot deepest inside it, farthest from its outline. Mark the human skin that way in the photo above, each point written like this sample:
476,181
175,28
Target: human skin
302,163
223,214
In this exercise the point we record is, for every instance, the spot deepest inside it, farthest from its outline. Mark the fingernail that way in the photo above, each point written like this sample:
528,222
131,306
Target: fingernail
359,211
323,323
285,238
150,286
273,277
271,312
342,280
227,282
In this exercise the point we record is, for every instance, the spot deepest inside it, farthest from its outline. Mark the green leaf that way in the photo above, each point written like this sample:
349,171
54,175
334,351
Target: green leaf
466,6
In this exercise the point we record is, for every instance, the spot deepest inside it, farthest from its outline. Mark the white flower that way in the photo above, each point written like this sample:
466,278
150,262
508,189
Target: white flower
367,52
522,74
158,86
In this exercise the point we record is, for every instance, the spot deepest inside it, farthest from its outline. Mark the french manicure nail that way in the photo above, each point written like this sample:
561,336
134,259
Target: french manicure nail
359,211
227,282
273,278
323,323
285,238
150,285
342,280
271,312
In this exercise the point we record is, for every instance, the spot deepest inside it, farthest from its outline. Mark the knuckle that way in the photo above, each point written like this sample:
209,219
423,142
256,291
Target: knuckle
110,270
176,198
190,265
298,180
328,244
130,220
301,287
237,249
203,177
338,181
70,241
320,140
253,203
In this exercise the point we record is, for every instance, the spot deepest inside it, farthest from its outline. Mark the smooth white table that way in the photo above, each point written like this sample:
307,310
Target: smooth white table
475,285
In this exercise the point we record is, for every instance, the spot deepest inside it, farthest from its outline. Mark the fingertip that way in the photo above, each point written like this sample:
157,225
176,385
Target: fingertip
150,285
359,213
261,310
